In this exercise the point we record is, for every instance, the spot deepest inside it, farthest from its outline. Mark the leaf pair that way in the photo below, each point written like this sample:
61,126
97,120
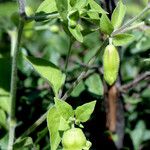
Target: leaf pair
107,26
81,113
59,115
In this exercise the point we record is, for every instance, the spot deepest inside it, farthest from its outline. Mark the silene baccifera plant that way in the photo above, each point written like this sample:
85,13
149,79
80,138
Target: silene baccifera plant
65,125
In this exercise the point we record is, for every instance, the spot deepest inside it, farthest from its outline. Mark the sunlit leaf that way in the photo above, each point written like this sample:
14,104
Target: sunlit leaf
118,15
122,39
53,121
47,6
48,71
83,112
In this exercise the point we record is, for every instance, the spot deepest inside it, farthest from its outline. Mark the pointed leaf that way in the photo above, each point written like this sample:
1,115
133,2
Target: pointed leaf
118,15
53,121
84,112
76,32
80,4
47,6
94,84
78,89
96,7
106,25
49,71
93,15
122,39
64,109
62,6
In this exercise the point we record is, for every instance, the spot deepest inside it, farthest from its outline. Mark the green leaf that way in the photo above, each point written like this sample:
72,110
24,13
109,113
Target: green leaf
118,15
84,112
22,143
76,32
93,15
64,109
62,6
47,6
2,118
48,71
80,4
63,124
138,133
78,89
4,142
96,7
5,103
53,121
95,84
106,25
122,39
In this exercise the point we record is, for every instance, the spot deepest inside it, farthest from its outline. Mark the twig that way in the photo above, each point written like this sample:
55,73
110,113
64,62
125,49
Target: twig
66,64
68,54
85,65
86,76
138,25
133,83
34,126
84,72
131,21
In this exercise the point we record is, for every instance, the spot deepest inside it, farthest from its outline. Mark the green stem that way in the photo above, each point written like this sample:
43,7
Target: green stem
13,88
68,54
42,17
66,64
131,21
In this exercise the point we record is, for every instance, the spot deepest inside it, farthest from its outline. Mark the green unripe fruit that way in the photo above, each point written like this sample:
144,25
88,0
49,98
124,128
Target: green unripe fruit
111,63
73,139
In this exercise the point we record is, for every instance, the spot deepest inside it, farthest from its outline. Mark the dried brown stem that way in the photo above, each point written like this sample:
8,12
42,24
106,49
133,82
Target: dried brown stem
139,78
